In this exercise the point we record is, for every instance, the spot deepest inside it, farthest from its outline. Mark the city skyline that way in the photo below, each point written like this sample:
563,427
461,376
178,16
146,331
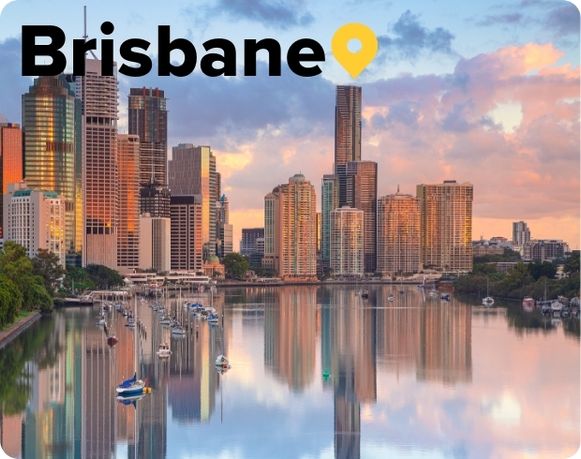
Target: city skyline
491,132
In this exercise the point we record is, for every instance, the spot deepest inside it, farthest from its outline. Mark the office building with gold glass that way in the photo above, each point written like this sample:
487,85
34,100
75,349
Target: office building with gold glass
290,235
98,94
398,235
128,236
446,226
11,161
347,242
186,233
52,139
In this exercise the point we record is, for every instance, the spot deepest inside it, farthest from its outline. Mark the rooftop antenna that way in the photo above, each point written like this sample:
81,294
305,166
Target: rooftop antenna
85,36
398,189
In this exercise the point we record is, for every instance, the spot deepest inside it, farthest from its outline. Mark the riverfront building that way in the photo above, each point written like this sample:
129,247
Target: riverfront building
347,242
51,120
398,235
35,219
446,225
290,246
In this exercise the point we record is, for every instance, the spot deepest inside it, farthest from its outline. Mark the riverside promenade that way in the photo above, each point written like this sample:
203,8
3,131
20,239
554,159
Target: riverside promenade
18,327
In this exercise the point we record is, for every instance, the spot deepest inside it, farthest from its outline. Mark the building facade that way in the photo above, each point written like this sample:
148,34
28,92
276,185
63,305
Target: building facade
98,94
35,219
51,121
224,230
361,183
329,202
252,245
521,234
192,171
347,133
128,236
398,235
154,243
541,250
186,233
11,160
147,118
446,226
347,242
290,246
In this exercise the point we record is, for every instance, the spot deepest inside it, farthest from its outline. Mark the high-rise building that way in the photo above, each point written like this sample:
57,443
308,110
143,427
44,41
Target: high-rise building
35,219
290,245
192,171
101,184
186,233
224,241
347,242
446,225
154,243
329,202
128,236
252,245
147,118
51,122
347,133
521,234
398,234
361,183
11,164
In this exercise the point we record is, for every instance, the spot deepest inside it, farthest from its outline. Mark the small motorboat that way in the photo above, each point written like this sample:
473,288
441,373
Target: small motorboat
222,362
528,304
130,387
445,296
101,321
130,322
556,306
213,319
433,293
488,301
164,351
391,298
178,330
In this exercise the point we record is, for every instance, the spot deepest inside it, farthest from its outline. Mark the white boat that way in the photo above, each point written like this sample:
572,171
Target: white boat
130,387
488,301
164,351
556,306
178,330
391,298
222,362
433,293
528,304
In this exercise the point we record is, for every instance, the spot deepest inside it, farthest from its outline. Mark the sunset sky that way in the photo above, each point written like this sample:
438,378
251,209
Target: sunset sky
485,93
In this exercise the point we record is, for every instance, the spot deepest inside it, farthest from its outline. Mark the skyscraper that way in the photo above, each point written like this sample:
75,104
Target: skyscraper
361,188
186,233
290,246
347,133
154,243
11,161
329,202
147,118
51,123
128,237
521,234
252,245
398,234
99,96
347,242
224,241
192,171
446,225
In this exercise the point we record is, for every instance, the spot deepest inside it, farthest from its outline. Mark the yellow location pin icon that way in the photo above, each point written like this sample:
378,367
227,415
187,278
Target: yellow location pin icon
354,62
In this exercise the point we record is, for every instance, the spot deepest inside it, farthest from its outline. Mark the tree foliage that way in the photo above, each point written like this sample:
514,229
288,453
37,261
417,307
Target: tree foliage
103,277
236,266
47,265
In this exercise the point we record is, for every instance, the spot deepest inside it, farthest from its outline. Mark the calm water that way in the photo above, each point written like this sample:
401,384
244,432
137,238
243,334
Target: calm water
316,373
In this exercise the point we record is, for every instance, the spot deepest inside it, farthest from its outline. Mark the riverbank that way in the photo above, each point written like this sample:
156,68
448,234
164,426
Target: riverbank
360,282
13,330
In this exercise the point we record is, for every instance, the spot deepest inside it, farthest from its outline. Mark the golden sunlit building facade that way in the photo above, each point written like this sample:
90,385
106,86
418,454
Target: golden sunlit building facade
128,237
446,225
398,235
347,242
290,246
11,165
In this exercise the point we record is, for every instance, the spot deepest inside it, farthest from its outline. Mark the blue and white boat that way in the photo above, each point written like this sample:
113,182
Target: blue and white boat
131,387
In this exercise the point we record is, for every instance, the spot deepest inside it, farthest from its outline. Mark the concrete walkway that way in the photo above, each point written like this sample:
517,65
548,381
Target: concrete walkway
18,327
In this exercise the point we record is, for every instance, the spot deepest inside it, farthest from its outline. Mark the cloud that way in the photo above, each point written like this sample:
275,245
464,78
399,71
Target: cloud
270,13
12,83
564,19
496,19
409,39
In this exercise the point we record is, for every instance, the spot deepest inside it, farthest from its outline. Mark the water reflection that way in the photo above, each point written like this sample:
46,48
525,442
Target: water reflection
317,372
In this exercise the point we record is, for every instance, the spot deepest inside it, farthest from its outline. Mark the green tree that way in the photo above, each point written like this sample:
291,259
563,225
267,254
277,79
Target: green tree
572,262
236,266
545,269
47,265
10,300
104,277
77,280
